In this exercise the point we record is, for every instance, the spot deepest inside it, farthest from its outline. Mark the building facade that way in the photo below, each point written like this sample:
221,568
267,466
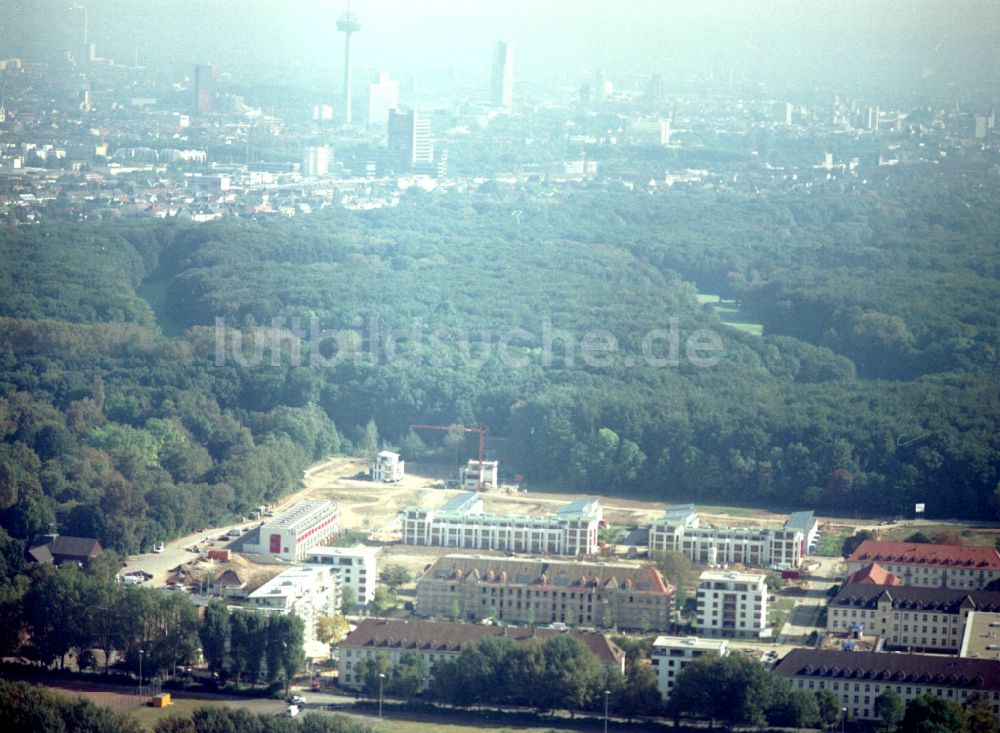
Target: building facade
383,95
909,617
680,530
409,138
470,472
387,468
858,678
930,565
438,640
671,654
461,523
355,567
732,604
534,591
503,76
306,591
305,525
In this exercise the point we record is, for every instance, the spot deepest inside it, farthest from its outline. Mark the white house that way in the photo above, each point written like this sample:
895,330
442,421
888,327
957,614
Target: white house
387,468
732,604
354,566
671,654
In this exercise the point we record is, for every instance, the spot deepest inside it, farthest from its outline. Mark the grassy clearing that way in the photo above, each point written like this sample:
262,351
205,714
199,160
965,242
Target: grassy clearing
969,536
829,545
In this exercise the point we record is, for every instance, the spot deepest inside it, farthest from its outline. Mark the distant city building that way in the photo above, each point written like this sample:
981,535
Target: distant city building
930,565
732,604
306,591
665,132
322,112
383,95
387,468
546,591
858,678
317,160
470,473
304,526
409,138
204,87
461,523
909,617
355,566
981,126
441,640
671,654
680,530
503,76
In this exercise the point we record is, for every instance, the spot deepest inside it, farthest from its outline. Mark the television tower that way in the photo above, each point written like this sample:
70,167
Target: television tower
348,24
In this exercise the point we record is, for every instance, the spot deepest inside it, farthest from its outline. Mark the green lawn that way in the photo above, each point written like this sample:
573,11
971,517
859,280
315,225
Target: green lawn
830,545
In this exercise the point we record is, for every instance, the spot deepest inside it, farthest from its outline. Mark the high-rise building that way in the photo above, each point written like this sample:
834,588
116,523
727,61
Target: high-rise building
383,95
204,87
409,135
503,76
316,161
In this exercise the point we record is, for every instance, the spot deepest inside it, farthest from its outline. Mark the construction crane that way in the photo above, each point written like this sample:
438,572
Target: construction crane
461,428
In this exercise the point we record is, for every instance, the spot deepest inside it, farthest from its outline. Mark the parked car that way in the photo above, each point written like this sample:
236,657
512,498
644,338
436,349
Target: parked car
158,547
298,700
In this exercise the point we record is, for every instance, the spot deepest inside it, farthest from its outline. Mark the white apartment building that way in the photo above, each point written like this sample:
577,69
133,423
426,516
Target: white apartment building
354,566
732,604
469,475
289,536
387,468
461,523
680,530
306,591
671,654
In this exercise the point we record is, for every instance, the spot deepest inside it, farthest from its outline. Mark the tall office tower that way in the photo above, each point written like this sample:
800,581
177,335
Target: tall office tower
656,89
665,132
204,87
981,127
503,76
788,109
409,136
347,25
316,161
383,95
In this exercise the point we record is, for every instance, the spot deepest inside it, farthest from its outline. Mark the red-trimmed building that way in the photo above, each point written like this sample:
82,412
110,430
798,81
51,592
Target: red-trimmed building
930,565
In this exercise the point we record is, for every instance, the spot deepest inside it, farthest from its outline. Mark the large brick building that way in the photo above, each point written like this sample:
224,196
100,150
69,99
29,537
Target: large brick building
546,591
437,640
930,565
909,617
858,678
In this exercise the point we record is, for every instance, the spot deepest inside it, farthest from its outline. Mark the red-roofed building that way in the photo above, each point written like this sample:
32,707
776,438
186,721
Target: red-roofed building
437,640
929,565
872,574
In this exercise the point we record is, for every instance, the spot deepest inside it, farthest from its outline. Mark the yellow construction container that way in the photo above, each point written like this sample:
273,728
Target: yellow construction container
161,700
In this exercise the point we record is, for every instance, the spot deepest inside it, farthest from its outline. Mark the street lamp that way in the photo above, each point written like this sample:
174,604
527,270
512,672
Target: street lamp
141,653
381,679
607,694
843,719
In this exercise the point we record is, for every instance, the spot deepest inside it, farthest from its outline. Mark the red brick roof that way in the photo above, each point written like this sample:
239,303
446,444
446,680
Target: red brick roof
873,574
914,553
451,636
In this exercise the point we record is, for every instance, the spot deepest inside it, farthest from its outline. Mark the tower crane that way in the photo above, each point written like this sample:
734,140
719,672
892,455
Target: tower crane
461,428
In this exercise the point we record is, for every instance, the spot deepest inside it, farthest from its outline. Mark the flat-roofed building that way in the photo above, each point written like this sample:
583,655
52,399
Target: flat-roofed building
930,565
671,654
858,678
355,566
909,617
306,591
732,604
546,591
462,523
304,526
680,530
440,640
981,636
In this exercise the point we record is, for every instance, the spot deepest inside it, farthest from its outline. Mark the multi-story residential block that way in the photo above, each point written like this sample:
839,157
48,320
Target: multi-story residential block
732,604
387,467
680,530
671,654
930,565
306,591
355,567
470,475
438,640
304,526
858,678
461,523
909,617
546,591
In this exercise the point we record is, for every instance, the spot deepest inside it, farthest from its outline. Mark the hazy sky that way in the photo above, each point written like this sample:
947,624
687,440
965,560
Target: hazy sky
772,41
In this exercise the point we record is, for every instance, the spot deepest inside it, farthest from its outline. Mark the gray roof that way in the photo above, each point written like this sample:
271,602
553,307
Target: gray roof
460,502
944,600
802,521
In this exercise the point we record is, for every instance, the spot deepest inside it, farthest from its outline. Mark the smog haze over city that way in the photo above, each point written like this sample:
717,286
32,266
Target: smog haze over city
600,365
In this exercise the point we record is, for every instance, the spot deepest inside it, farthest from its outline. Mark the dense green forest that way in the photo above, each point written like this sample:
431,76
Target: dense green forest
873,387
